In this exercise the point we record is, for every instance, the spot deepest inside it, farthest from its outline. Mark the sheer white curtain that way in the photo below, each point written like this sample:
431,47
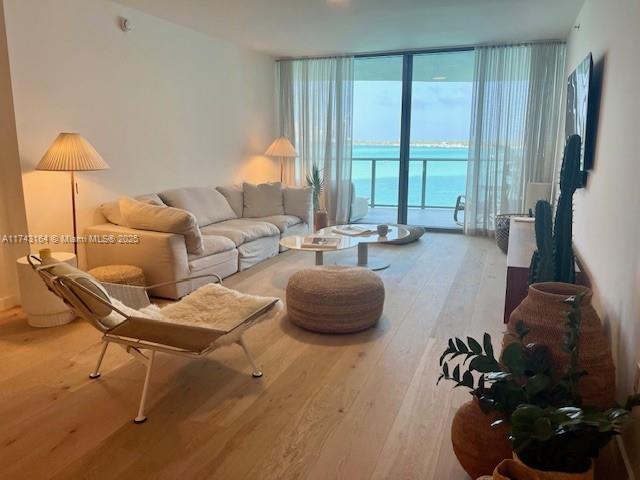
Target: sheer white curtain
517,103
316,114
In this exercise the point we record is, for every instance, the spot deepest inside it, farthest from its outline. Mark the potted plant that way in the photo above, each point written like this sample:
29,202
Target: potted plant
560,443
544,311
524,375
315,180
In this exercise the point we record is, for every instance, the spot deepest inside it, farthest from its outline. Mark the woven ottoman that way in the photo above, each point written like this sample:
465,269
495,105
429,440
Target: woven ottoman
335,299
121,274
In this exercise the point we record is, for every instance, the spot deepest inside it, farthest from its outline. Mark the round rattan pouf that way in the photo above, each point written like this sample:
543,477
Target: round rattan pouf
122,274
335,299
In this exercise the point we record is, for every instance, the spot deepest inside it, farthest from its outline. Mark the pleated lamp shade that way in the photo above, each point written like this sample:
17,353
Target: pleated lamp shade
281,147
71,152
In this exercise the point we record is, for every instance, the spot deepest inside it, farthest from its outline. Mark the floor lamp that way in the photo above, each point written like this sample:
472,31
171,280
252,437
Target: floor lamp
72,153
282,148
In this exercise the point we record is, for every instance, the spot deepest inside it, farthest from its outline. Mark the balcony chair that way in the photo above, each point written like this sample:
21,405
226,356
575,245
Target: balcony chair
125,316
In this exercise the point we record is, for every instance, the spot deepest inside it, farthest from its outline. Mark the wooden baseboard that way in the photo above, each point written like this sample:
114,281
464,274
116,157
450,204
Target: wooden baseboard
8,302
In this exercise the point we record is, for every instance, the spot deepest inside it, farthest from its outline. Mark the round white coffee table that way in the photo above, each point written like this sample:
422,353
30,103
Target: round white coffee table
42,307
363,241
295,242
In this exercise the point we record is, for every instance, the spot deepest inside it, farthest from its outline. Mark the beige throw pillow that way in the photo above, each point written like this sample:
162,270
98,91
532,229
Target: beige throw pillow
207,204
86,280
111,210
163,219
297,202
262,200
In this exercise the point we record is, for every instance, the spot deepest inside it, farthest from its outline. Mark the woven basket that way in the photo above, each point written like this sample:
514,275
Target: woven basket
478,446
503,223
544,313
510,469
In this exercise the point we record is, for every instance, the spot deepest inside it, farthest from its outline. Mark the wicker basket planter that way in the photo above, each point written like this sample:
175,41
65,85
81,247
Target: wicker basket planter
544,313
478,446
510,469
503,223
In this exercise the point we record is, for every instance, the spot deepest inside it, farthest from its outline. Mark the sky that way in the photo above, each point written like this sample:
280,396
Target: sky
441,111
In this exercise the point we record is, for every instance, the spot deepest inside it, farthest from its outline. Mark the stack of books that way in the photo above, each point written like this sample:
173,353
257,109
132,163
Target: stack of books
320,242
353,230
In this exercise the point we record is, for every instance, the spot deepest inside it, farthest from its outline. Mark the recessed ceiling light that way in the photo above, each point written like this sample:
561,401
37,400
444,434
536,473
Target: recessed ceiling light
439,77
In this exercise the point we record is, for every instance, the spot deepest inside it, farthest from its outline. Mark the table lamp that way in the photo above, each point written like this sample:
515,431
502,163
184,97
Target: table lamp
281,147
70,152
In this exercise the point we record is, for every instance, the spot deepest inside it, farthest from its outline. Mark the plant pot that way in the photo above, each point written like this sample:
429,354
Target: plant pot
478,446
544,313
516,470
320,219
503,225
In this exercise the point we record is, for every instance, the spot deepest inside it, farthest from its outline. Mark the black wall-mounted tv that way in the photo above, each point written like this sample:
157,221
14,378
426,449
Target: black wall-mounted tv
580,114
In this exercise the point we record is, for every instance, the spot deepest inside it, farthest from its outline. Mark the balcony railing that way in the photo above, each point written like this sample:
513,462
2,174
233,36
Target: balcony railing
423,188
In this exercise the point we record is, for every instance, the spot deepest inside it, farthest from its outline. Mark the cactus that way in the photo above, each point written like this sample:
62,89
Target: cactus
570,180
542,263
554,259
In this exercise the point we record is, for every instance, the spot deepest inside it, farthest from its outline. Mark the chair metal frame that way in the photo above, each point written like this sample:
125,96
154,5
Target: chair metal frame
63,287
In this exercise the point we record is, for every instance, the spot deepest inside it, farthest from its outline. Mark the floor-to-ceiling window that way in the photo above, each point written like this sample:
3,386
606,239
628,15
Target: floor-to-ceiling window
438,101
375,170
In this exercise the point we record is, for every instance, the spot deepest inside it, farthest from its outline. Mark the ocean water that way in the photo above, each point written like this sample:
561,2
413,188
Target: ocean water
446,179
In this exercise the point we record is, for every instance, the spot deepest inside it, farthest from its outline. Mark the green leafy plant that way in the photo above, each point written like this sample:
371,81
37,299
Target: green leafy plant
563,439
524,374
315,180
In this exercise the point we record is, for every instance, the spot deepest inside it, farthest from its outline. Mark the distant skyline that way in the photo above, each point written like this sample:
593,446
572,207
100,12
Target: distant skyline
441,111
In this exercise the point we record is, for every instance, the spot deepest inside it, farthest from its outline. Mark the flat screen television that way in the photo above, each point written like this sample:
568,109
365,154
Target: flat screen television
579,116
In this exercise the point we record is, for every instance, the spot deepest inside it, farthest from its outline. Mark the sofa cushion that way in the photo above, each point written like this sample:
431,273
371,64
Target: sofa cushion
297,202
242,230
212,244
207,204
235,197
281,221
144,216
111,210
262,200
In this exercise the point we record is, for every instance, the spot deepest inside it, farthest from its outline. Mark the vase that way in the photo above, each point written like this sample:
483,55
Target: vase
516,470
544,313
478,446
320,219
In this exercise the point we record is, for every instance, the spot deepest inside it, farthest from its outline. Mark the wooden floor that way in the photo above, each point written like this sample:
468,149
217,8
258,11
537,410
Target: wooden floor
328,407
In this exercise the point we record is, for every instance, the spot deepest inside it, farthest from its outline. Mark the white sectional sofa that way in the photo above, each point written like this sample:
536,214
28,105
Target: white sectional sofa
239,226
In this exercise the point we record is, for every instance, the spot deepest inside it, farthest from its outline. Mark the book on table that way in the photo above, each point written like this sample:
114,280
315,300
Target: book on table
318,241
353,230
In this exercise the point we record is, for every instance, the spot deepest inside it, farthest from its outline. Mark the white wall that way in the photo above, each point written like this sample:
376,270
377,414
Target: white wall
165,106
12,215
607,212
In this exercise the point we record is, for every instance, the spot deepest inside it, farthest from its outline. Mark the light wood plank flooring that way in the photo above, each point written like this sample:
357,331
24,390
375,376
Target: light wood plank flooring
328,407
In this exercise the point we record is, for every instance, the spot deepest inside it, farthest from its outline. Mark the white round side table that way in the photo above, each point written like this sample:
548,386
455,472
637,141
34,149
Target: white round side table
42,307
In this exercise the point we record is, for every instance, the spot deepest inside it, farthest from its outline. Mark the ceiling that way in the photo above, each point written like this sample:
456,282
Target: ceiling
292,28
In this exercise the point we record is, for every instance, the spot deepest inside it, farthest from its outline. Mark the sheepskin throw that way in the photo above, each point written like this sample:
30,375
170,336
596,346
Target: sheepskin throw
215,306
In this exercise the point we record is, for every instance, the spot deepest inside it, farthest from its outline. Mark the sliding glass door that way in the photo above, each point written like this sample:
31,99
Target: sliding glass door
377,104
412,115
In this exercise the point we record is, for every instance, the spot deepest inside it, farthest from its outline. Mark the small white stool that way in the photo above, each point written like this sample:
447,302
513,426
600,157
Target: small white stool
42,307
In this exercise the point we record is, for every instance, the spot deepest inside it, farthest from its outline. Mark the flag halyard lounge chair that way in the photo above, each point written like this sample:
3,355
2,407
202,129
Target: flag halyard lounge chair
208,318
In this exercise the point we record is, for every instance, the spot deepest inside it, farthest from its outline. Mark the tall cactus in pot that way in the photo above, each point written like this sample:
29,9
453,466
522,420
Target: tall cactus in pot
554,259
570,181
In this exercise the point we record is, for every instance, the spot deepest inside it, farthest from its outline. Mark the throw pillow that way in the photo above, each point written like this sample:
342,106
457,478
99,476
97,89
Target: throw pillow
262,200
111,210
207,204
235,197
87,281
298,202
163,219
